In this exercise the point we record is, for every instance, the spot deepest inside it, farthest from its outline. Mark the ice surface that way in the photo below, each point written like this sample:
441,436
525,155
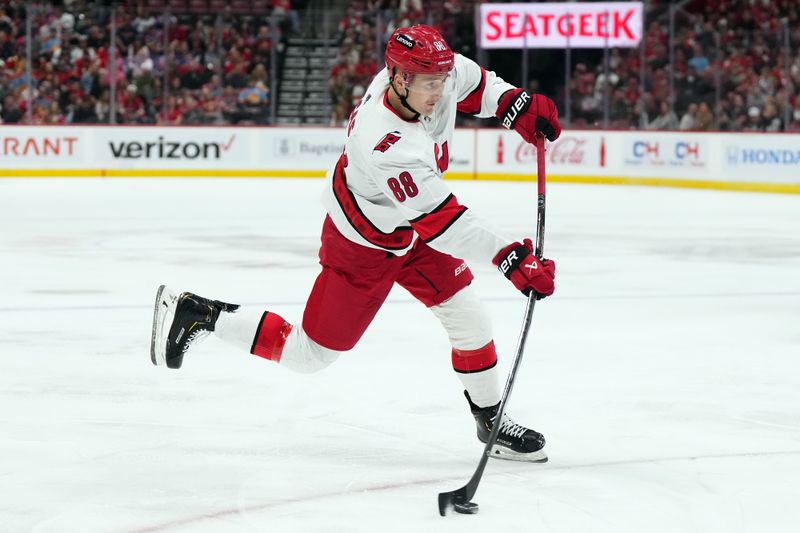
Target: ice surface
665,372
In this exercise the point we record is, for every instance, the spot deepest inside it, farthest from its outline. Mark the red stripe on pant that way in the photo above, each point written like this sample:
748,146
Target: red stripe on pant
270,337
467,361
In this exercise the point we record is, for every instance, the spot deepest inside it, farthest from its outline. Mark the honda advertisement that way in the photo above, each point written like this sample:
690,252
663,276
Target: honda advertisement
777,156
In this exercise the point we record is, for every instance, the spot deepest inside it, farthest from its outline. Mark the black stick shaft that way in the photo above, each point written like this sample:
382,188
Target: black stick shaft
465,493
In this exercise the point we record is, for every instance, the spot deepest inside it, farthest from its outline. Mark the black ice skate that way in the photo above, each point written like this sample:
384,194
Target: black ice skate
514,442
178,321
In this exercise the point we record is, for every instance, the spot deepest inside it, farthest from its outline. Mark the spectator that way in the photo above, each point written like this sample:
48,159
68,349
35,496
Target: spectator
130,107
6,46
10,113
754,122
192,74
102,108
174,112
253,102
339,117
212,112
237,78
666,119
794,124
84,112
699,61
192,114
288,17
704,119
259,74
772,122
688,120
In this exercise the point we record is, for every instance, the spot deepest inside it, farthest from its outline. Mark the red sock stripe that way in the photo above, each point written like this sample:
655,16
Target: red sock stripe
466,361
270,337
431,225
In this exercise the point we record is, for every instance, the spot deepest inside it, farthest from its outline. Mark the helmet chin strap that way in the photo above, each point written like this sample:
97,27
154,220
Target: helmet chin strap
403,99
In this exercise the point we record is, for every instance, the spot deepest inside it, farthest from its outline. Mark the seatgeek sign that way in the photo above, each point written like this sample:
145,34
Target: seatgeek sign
562,25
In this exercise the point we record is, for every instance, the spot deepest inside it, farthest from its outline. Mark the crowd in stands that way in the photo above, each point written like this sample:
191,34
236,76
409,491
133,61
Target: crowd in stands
215,65
731,70
749,79
367,25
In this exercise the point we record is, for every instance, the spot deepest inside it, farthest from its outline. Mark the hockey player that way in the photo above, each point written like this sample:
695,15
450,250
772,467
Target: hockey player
391,219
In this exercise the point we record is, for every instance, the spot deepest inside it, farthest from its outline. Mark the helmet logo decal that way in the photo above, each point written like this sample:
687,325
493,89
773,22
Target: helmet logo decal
405,41
439,45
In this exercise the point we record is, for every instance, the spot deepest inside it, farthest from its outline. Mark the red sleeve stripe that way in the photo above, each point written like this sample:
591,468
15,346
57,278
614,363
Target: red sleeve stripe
433,224
469,361
472,103
399,239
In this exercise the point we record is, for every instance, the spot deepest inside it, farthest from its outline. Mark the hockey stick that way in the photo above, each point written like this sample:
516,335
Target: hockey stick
460,499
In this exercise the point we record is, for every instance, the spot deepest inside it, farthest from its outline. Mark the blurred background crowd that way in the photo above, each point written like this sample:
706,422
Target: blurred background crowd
730,65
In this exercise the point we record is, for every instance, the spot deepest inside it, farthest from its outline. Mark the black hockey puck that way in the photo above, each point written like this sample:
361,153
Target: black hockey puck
466,507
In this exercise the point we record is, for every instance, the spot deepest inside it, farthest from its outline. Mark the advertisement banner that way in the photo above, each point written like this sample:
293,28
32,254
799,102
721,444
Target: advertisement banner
576,152
139,147
750,157
292,148
666,154
33,147
735,161
561,24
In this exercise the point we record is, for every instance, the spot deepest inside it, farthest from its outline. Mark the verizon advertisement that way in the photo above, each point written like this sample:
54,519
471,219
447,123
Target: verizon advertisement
126,147
561,24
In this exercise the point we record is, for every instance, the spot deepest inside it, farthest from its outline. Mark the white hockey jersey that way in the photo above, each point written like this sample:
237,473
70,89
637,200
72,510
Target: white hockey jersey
386,189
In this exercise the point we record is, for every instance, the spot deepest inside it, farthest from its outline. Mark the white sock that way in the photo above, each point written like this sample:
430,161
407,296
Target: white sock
483,387
238,328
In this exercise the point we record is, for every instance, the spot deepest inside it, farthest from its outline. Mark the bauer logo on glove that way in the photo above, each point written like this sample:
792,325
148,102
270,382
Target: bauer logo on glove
521,103
529,114
518,264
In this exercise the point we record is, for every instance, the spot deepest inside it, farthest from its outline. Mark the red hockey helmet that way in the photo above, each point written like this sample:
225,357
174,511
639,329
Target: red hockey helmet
419,49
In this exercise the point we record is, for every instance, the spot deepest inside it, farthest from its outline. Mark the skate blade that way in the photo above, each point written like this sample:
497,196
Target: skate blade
499,452
163,313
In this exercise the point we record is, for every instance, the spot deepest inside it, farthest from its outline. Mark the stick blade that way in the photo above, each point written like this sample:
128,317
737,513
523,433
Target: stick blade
445,503
448,500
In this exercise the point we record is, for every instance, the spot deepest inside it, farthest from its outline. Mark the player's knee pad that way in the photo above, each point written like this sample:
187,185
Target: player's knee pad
465,319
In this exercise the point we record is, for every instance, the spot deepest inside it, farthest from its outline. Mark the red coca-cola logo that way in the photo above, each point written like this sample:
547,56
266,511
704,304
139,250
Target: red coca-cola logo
566,151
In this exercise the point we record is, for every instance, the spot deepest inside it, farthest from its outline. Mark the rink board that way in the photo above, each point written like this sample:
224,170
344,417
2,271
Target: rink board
733,161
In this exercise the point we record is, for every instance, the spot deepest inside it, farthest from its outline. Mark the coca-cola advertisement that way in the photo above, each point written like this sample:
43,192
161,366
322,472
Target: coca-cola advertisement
568,150
570,153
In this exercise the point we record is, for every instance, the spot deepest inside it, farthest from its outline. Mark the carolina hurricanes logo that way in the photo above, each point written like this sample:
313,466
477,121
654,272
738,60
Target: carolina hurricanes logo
388,140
